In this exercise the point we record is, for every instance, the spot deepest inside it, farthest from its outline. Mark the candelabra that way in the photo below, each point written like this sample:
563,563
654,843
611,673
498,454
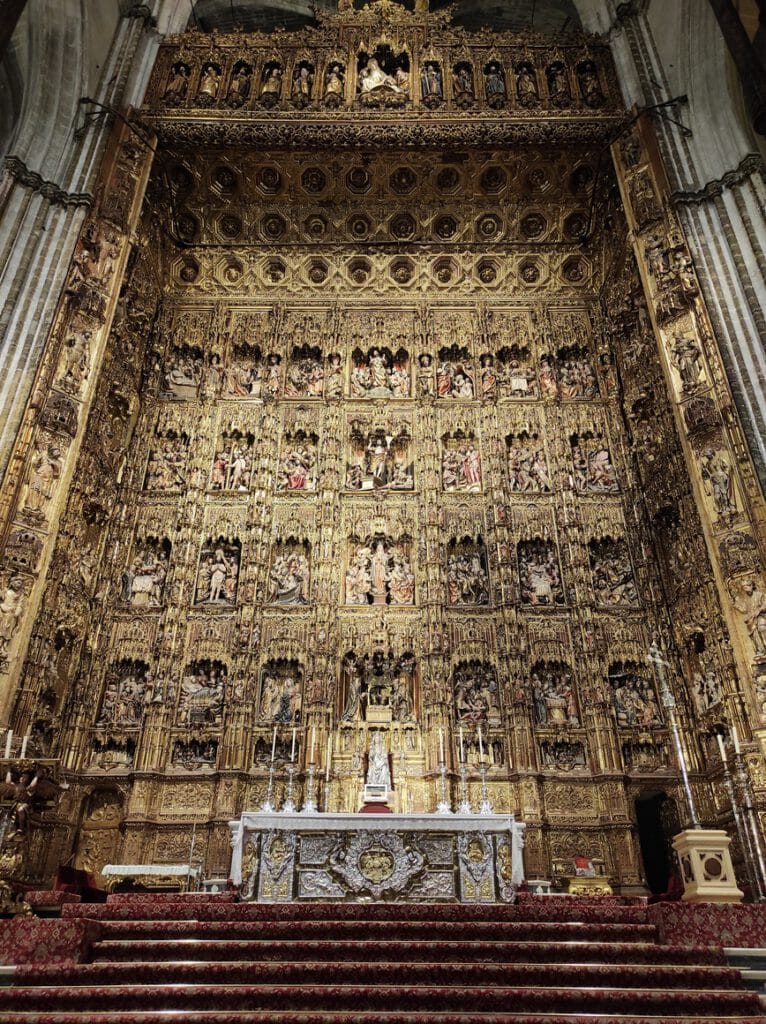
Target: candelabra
465,804
755,846
326,796
485,807
309,805
745,840
289,806
267,807
444,806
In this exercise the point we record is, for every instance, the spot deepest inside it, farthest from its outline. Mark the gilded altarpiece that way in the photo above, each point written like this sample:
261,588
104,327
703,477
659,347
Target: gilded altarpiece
380,441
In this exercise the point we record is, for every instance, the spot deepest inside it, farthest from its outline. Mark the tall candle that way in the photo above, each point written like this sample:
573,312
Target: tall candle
292,749
721,747
313,743
735,739
24,745
329,758
441,745
462,748
274,745
8,739
481,746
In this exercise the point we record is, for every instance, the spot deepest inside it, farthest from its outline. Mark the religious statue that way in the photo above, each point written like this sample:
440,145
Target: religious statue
467,579
75,361
540,574
298,466
527,466
44,472
272,86
218,574
461,467
240,85
178,85
718,477
590,87
431,90
750,602
375,83
202,693
462,85
301,88
494,85
289,577
11,606
378,771
166,469
334,85
208,85
686,357
526,85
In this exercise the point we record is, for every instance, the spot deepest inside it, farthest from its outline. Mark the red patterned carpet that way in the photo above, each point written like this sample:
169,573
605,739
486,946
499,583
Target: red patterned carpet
148,959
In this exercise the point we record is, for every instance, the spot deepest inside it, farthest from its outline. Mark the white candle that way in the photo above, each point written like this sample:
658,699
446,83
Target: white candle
441,745
481,746
721,747
8,739
313,743
24,745
274,745
735,739
329,758
462,748
292,749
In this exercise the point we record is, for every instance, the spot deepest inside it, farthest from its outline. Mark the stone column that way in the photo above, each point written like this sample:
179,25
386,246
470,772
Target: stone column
749,66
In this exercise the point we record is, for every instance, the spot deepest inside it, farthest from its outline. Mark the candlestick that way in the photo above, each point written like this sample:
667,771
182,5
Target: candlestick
462,749
752,822
329,759
485,807
444,806
292,749
309,804
266,806
735,739
24,745
8,740
313,743
465,805
289,805
721,748
274,744
745,841
441,745
481,746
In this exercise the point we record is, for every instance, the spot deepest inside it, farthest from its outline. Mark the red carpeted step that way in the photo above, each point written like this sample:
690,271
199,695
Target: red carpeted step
378,1017
633,976
529,931
158,950
396,997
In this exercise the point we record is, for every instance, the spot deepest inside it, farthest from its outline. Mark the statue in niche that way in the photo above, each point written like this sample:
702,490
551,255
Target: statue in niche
166,468
425,375
431,86
195,753
475,693
686,357
289,576
488,377
494,84
613,580
281,693
240,85
380,373
208,85
243,377
558,84
233,464
454,377
126,694
202,693
526,84
333,384
592,464
303,79
218,573
562,755
515,374
467,576
378,769
305,375
382,680
461,465
379,461
75,361
45,468
178,85
379,573
553,695
634,698
527,465
706,689
718,479
539,574
383,80
298,465
11,607
183,372
142,583
463,91
590,87
549,386
576,379
271,86
750,601
334,85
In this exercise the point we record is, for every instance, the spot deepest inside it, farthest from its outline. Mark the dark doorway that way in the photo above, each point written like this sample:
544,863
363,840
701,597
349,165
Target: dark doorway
657,820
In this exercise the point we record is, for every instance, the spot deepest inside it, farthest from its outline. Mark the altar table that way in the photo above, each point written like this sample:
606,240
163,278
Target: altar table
409,858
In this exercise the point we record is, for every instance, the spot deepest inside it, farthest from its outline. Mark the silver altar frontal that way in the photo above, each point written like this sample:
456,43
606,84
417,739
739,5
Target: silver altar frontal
464,858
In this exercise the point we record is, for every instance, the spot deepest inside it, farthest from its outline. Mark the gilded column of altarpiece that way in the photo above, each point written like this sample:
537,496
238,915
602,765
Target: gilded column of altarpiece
380,440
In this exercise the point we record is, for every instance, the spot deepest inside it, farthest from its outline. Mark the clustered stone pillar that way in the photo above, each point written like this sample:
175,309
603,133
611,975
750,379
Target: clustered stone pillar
749,65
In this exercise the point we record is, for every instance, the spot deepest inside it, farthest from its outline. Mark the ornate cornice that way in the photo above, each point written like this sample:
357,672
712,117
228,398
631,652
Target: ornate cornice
751,164
56,195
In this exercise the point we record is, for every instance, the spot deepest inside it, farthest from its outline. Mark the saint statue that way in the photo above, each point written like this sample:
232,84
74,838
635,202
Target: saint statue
378,772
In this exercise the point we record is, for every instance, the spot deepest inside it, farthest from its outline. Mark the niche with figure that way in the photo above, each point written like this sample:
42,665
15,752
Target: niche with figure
554,699
614,584
218,573
244,374
431,84
182,372
461,463
334,87
527,89
302,84
383,77
378,686
289,576
454,373
270,91
166,468
592,465
195,753
380,572
463,86
635,702
575,374
305,373
380,373
177,88
297,470
527,465
539,573
281,692
127,688
467,575
240,85
202,693
494,84
559,89
379,459
232,467
209,83
475,693
516,375
143,582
